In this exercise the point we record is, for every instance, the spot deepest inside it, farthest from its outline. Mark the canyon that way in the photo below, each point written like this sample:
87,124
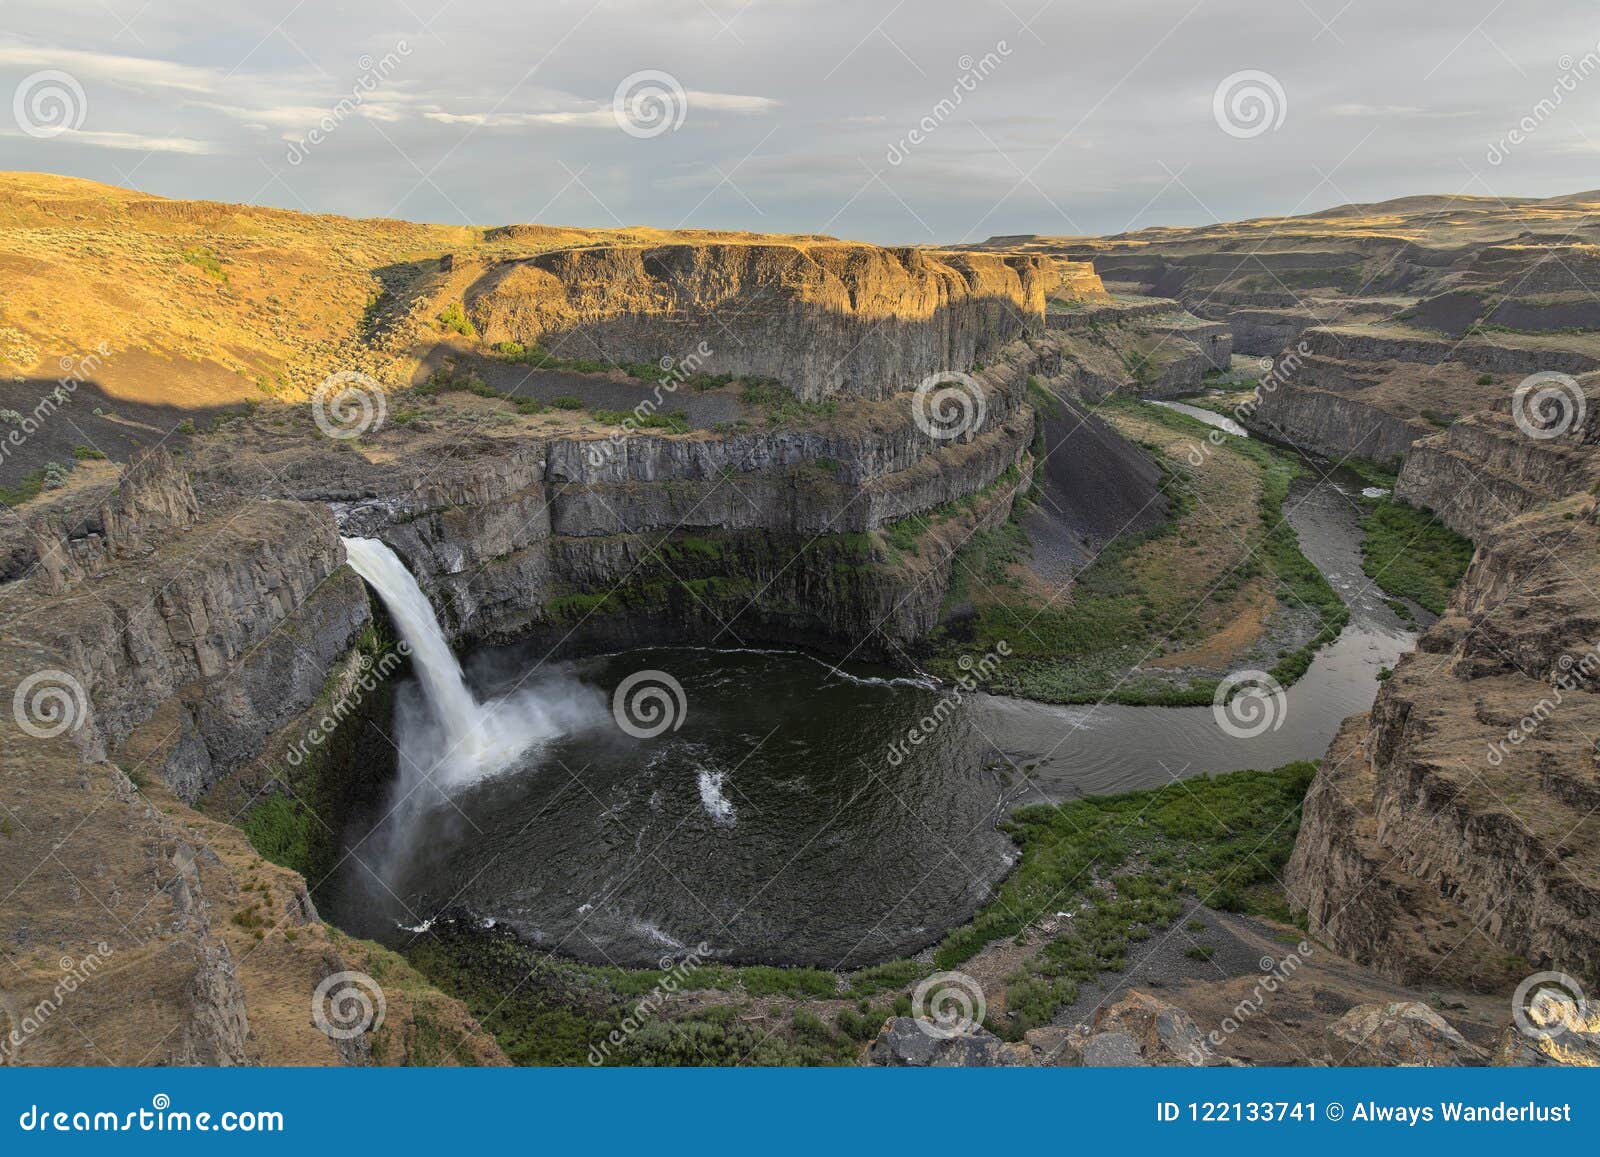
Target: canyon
589,442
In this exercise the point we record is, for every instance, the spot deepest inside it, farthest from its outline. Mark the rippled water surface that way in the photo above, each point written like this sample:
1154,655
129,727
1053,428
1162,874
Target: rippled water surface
773,824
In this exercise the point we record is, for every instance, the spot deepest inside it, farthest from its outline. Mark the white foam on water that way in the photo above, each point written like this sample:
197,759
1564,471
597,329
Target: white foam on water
711,797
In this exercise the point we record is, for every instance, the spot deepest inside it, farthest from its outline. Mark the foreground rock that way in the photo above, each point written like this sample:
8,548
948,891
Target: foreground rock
1138,1030
904,1042
1401,1033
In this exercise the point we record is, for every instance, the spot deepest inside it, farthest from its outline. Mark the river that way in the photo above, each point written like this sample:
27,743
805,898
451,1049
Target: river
770,818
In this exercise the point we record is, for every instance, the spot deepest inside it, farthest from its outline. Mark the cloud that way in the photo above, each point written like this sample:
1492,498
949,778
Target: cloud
1397,112
138,142
138,71
593,114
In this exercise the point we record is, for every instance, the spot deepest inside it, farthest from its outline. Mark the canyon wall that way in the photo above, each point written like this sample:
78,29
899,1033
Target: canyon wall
1451,836
824,319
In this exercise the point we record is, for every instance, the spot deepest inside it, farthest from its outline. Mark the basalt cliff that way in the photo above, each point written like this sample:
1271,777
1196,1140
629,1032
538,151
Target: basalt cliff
639,438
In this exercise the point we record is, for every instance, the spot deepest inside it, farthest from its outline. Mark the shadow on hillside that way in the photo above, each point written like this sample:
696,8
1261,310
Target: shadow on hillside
86,421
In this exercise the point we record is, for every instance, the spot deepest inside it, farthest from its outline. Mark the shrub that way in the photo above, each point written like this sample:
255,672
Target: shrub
454,320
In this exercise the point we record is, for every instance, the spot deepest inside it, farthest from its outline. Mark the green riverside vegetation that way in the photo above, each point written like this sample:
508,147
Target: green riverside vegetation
1080,651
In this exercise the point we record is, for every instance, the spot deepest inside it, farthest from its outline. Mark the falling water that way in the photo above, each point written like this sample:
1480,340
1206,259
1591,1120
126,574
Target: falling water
464,739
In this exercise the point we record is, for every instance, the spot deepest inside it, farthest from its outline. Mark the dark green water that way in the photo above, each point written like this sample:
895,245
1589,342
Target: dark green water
775,823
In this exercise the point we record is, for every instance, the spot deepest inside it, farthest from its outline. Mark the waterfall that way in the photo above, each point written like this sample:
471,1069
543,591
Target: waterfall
464,739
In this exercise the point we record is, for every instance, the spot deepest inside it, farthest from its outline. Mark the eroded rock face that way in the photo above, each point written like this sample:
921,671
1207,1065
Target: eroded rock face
1451,836
1400,1033
829,319
1485,470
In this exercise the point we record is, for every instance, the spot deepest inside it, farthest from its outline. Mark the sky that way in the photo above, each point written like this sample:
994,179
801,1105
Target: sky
896,121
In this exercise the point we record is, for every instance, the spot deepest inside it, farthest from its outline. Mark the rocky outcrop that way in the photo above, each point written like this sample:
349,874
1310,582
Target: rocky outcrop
1399,1033
824,319
152,648
1450,837
1486,470
906,1043
1137,1030
1155,348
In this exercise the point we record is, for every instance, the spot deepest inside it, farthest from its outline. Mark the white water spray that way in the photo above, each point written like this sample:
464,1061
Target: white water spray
468,739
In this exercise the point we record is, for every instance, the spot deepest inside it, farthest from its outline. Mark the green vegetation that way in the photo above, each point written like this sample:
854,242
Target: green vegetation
26,489
87,454
294,819
454,319
1081,650
566,402
781,406
1222,839
677,422
206,262
1411,554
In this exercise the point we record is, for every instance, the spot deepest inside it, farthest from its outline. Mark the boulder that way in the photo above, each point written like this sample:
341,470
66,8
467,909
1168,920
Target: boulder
906,1043
1560,1032
1163,1033
1398,1033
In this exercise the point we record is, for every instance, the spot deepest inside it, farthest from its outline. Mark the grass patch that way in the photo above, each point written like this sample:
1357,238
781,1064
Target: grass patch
206,262
1411,554
1129,599
781,406
27,488
1124,864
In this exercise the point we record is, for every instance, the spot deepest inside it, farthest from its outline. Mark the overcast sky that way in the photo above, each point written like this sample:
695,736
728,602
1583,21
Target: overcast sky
799,115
